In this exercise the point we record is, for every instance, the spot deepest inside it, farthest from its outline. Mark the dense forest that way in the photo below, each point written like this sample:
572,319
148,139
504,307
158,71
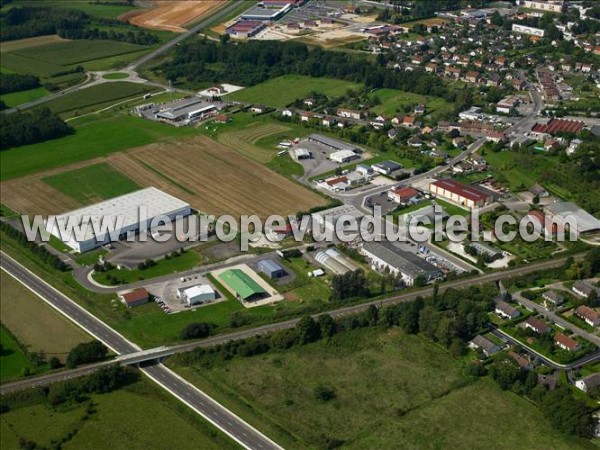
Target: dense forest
253,62
14,82
24,22
22,128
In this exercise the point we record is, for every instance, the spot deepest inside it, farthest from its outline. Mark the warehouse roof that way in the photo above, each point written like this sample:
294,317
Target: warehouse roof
199,289
128,207
243,285
408,263
269,265
585,221
466,191
334,143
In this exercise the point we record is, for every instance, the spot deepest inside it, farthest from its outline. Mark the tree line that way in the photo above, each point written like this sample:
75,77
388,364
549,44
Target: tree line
15,82
24,128
253,62
40,251
26,21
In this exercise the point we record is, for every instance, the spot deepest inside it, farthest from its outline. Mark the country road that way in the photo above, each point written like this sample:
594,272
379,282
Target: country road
219,416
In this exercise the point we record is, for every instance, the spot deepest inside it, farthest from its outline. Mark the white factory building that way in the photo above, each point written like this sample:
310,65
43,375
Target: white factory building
196,295
127,213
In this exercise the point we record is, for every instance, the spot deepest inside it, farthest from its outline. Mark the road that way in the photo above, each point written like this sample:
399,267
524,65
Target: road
212,411
244,334
93,79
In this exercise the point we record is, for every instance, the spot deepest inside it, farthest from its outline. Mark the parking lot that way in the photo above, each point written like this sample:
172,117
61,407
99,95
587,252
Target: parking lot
166,293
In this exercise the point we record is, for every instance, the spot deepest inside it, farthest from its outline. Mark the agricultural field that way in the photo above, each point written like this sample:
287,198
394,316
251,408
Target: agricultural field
96,97
91,139
18,98
92,184
103,10
394,101
282,91
172,15
389,387
12,359
244,141
138,416
34,323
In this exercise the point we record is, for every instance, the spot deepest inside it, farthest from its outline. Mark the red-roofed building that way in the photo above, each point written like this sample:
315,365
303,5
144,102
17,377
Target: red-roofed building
558,126
566,343
590,315
135,298
460,193
245,28
403,195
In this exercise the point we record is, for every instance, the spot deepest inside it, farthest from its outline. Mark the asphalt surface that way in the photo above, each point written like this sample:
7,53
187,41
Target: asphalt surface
223,419
137,356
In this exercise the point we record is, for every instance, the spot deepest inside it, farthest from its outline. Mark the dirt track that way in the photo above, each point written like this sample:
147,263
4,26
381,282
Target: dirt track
172,15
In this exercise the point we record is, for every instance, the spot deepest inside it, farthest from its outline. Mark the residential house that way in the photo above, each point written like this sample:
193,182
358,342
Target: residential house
258,109
566,343
589,315
349,114
553,297
537,325
305,116
287,113
506,311
485,345
588,383
472,77
522,361
409,122
582,289
135,298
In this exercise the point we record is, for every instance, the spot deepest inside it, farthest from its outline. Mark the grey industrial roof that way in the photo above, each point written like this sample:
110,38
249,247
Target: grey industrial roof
388,165
335,143
585,221
408,263
269,265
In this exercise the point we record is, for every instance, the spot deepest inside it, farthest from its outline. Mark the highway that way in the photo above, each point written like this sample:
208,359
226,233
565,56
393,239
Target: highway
226,421
138,356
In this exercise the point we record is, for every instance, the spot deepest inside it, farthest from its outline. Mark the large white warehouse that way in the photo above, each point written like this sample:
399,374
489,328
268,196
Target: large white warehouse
130,212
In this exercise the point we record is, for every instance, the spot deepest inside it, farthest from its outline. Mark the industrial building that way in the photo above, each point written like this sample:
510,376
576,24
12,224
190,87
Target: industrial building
531,31
266,14
335,261
343,156
556,6
334,144
188,109
328,217
197,295
460,193
245,288
135,212
586,223
135,298
386,167
244,29
386,256
271,269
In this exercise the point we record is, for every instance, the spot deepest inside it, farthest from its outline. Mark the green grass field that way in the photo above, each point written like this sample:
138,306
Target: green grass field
77,52
18,98
96,97
104,10
139,416
93,183
282,91
390,388
115,76
393,101
91,139
12,358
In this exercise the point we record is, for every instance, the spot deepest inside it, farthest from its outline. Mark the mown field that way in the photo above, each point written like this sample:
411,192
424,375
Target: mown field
393,102
91,139
390,388
96,97
139,416
37,326
282,91
104,9
18,98
92,184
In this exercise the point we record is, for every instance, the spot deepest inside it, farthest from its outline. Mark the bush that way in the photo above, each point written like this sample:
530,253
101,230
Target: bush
86,353
324,393
196,330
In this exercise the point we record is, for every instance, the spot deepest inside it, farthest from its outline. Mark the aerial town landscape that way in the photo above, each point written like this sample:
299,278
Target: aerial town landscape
300,224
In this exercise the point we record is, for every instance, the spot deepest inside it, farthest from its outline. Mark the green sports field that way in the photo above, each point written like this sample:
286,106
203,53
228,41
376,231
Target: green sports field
390,388
92,184
282,91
